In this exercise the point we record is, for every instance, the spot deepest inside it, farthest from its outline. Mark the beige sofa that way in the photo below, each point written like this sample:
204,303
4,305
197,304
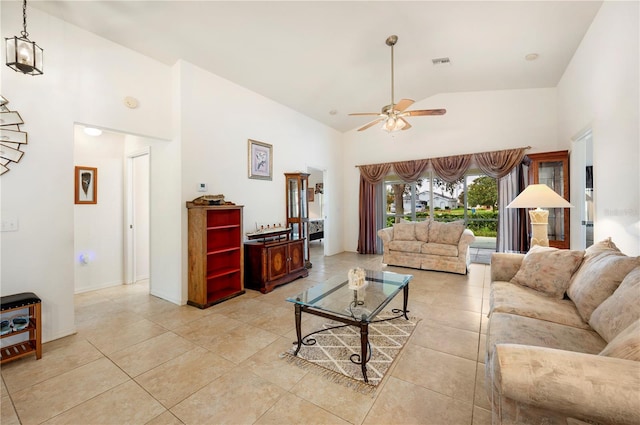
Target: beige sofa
428,245
563,341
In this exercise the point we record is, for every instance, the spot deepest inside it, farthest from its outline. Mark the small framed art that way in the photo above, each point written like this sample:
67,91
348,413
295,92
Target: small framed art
86,186
260,160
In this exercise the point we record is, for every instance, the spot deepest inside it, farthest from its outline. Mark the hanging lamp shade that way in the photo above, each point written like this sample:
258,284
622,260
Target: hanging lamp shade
24,55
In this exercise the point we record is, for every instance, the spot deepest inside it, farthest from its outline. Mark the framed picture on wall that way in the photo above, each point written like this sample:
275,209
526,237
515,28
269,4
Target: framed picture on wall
86,186
311,193
260,160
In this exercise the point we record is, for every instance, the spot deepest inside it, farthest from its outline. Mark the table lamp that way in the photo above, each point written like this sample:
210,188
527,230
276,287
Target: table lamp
539,196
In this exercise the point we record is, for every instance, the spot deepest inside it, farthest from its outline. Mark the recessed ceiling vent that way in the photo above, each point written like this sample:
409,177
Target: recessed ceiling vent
441,61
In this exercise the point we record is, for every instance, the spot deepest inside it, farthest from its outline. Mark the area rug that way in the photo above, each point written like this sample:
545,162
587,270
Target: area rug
330,355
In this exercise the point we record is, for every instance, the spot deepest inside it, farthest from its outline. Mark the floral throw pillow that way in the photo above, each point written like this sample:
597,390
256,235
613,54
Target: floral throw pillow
446,233
548,270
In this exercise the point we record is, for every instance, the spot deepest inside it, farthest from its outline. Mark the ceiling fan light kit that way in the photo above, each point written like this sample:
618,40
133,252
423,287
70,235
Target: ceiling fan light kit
393,115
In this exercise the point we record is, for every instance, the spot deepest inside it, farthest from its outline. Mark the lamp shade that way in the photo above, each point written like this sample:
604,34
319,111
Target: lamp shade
539,196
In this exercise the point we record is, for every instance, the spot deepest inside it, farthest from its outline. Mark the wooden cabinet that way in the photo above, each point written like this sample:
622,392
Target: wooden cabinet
272,263
298,209
216,258
552,169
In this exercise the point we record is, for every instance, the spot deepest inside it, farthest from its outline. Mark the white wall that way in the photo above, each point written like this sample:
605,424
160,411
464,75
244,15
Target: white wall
600,89
98,228
217,117
83,82
474,122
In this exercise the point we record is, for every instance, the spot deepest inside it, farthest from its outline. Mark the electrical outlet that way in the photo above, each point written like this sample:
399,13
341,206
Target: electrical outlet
9,224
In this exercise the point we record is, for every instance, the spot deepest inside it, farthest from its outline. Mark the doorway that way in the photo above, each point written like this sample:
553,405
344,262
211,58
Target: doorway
137,224
317,212
582,193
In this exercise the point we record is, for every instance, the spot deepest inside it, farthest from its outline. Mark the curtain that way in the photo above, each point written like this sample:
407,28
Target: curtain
451,168
371,176
499,163
410,171
513,223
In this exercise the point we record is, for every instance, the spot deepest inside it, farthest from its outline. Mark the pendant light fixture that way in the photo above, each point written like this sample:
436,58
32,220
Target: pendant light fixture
24,55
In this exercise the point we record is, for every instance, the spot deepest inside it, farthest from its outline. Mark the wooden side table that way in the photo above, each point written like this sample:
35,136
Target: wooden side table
17,302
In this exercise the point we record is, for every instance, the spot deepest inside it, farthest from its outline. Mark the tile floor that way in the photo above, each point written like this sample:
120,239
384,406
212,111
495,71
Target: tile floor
137,359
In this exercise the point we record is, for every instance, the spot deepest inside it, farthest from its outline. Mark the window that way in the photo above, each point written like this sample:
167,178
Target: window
473,198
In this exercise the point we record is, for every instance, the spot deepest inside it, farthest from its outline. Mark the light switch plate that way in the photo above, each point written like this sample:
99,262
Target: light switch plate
9,224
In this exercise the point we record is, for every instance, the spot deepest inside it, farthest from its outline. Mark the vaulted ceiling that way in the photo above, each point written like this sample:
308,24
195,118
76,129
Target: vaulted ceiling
326,59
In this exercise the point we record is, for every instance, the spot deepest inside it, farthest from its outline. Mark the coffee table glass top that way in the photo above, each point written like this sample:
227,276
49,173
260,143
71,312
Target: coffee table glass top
334,295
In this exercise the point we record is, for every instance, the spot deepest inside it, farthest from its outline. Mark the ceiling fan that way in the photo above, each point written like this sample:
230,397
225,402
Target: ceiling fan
393,115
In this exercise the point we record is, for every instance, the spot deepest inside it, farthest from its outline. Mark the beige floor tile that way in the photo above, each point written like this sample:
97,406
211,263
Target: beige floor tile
166,418
402,402
454,317
482,348
294,410
240,343
177,317
8,415
269,364
461,343
277,320
175,380
458,302
449,375
126,403
50,398
335,398
244,309
3,388
462,288
111,338
481,416
148,354
58,357
481,398
238,397
204,329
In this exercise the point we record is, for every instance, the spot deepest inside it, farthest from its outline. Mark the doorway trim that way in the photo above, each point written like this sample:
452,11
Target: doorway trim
129,234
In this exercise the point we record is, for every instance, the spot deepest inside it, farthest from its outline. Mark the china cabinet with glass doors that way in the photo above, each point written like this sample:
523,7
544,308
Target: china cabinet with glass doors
298,209
552,169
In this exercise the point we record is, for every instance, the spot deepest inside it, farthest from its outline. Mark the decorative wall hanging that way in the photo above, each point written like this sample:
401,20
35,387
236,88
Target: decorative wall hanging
11,138
86,187
260,160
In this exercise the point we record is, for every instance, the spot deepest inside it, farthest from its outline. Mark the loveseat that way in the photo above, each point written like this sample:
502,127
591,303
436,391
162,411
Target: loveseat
563,339
428,245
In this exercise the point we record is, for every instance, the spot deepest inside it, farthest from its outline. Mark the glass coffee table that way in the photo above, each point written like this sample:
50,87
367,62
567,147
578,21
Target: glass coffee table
334,300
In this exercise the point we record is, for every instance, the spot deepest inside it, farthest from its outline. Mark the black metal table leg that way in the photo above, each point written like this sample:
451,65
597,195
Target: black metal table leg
364,345
298,313
405,300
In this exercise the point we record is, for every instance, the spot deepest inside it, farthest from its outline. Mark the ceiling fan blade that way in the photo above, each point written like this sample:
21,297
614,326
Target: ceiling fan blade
365,113
403,104
421,112
407,126
372,123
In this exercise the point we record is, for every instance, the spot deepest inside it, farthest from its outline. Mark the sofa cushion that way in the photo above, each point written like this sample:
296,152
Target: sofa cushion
603,245
446,233
422,230
626,345
548,270
405,246
433,248
507,297
514,329
404,232
598,277
620,310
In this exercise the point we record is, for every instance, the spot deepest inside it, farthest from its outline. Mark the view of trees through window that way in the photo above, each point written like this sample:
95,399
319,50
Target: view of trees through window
473,198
